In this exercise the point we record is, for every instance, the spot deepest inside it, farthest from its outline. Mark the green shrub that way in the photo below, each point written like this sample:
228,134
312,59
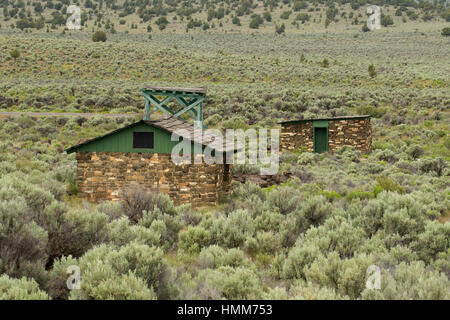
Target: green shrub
357,194
312,212
233,230
146,262
132,271
285,199
434,241
121,232
331,195
410,282
386,184
247,190
251,246
347,277
306,158
435,166
20,289
167,224
386,155
372,71
386,20
136,200
213,120
194,239
228,283
280,29
113,209
298,258
76,232
404,223
268,242
100,282
446,32
23,244
308,291
15,54
214,257
415,151
269,221
56,285
99,36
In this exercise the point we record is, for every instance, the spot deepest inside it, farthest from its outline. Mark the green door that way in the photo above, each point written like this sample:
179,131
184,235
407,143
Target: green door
320,140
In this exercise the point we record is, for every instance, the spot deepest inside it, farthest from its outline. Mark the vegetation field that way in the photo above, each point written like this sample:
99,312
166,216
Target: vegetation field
313,237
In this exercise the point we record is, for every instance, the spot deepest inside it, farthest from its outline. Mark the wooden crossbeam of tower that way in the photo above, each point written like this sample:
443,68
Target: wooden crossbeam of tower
190,100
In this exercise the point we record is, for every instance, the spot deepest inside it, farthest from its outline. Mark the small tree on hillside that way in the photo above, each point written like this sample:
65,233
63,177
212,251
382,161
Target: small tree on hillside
302,58
15,54
446,32
372,71
99,36
386,20
280,29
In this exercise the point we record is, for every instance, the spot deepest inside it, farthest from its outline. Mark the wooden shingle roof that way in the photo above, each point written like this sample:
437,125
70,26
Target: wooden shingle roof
173,124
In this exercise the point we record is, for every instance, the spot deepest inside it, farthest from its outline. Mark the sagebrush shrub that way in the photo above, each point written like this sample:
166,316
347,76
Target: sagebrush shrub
23,244
268,242
232,231
20,289
56,285
122,232
228,283
285,199
433,241
194,239
132,271
299,257
173,223
136,200
214,256
435,166
410,281
113,209
77,231
247,190
100,282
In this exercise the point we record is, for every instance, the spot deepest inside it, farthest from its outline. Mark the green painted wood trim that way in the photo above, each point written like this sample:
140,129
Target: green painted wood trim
121,140
320,124
325,119
194,107
314,138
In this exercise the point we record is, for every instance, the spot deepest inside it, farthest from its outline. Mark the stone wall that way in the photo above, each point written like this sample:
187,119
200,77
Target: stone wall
297,135
351,132
103,175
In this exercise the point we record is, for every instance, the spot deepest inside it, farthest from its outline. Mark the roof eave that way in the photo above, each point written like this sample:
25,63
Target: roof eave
325,119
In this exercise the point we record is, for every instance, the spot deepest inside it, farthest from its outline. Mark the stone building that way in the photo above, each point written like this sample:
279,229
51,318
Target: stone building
140,154
327,134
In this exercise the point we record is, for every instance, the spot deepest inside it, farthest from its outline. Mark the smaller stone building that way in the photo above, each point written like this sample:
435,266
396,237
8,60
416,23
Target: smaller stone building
140,154
327,134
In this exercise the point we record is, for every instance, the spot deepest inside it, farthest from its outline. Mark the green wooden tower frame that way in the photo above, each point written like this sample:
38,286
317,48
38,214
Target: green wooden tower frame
192,107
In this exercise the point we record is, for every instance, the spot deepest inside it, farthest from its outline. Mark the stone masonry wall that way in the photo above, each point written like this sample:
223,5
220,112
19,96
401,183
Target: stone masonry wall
103,175
297,135
351,132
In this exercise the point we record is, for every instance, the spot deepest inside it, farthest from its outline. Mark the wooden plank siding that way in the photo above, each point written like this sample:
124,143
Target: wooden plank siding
122,141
